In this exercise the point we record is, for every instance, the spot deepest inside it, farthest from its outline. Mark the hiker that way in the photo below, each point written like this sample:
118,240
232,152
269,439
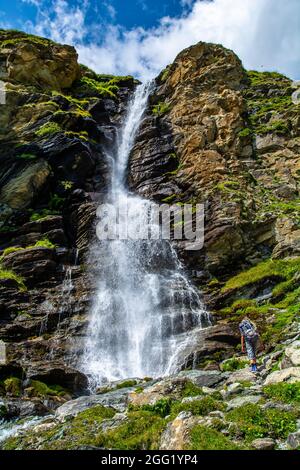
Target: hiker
249,338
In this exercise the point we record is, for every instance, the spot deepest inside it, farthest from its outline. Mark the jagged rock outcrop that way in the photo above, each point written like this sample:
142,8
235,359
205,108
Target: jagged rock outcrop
216,135
37,61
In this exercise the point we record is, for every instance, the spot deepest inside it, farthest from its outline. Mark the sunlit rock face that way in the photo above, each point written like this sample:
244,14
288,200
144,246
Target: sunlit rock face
217,134
37,61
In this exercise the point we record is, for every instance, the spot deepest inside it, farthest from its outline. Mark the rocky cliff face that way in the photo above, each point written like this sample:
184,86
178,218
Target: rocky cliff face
229,139
218,135
214,134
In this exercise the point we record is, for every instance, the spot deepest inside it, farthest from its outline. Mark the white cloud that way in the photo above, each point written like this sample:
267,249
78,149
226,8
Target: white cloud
110,10
264,33
61,23
36,3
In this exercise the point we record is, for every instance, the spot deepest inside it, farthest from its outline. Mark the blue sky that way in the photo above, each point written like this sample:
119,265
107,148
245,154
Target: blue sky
130,14
141,37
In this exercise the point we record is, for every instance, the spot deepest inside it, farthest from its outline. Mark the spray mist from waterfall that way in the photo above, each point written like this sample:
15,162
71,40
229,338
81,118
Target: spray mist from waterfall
145,311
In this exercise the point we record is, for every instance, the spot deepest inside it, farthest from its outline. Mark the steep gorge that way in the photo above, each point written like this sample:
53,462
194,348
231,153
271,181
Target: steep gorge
212,133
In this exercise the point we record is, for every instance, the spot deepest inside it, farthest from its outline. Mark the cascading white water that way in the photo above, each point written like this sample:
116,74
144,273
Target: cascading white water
145,310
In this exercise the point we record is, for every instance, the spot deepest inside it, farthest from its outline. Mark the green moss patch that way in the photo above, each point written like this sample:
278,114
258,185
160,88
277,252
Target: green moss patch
232,364
255,422
27,156
246,132
15,38
198,407
203,438
191,390
44,243
96,87
267,111
42,214
126,384
161,407
48,129
37,388
80,431
284,269
161,108
10,249
228,185
285,392
10,274
142,431
12,386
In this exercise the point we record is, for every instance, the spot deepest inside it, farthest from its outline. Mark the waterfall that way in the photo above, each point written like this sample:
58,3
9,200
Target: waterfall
145,311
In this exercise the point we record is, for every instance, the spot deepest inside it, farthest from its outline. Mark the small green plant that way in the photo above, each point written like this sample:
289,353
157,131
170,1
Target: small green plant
232,364
48,129
247,132
126,384
27,156
255,422
42,214
10,249
191,390
56,202
161,407
286,392
204,438
45,243
161,108
10,274
198,407
67,185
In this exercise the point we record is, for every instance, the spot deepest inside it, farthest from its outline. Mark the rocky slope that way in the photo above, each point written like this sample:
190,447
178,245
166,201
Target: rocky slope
213,133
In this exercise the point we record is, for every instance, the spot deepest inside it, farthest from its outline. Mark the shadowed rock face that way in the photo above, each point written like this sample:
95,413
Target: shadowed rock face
213,133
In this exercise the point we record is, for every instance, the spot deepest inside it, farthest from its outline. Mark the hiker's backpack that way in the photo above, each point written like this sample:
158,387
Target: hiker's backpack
248,329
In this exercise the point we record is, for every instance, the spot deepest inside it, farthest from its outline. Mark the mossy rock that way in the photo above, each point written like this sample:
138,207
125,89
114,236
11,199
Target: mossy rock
204,438
37,388
79,432
232,364
142,430
13,386
284,392
199,407
255,422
